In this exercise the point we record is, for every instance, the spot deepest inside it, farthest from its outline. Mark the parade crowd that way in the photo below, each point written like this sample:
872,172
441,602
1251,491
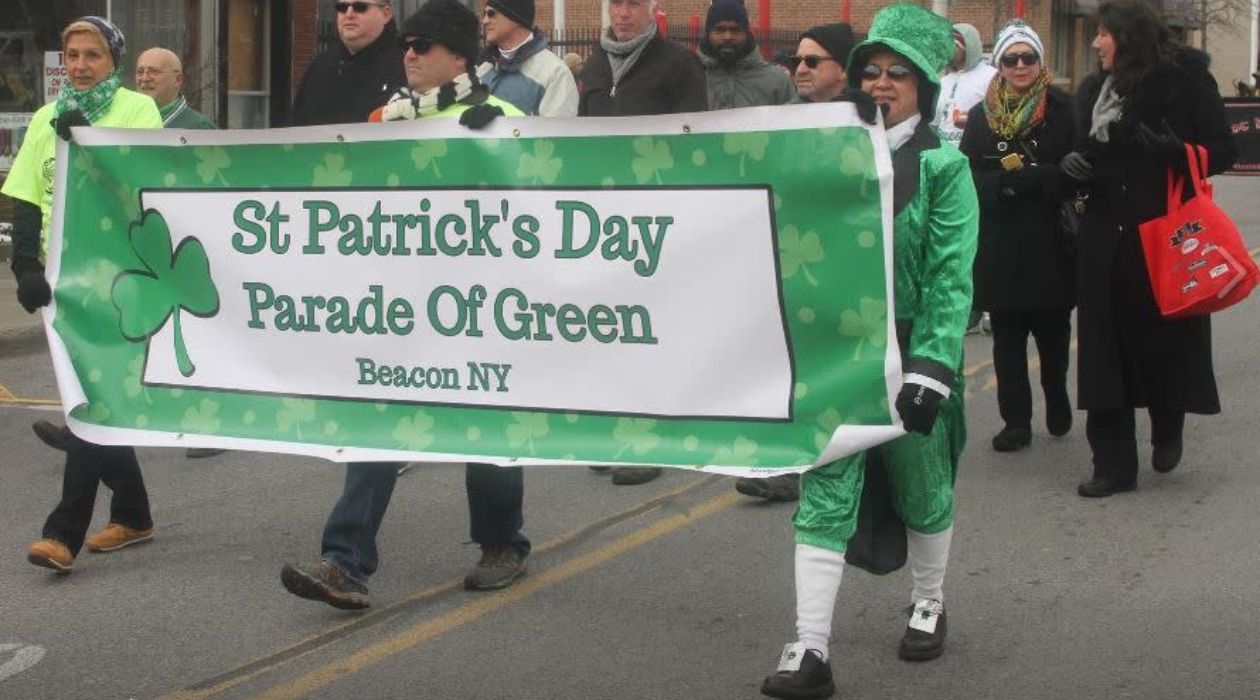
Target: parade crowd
1011,199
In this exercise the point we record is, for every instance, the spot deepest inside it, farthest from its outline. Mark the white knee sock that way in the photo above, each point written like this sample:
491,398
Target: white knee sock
928,556
818,573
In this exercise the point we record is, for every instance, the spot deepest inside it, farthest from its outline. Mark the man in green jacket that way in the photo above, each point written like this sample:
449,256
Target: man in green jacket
160,75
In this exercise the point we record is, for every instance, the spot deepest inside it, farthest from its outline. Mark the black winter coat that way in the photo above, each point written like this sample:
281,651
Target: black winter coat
667,79
1024,262
343,88
1129,355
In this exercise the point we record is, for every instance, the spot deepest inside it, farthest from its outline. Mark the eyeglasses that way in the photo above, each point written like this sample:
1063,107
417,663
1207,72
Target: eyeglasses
145,72
419,45
1028,58
490,12
358,7
895,72
811,62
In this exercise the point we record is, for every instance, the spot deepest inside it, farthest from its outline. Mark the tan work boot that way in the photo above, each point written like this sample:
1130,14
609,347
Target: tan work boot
51,554
116,536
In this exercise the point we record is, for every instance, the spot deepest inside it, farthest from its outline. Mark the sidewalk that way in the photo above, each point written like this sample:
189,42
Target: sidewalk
17,328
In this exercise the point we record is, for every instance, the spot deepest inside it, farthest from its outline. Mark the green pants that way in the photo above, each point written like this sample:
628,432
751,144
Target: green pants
921,470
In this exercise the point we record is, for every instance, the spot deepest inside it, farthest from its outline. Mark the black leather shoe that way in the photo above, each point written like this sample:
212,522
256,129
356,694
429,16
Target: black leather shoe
802,674
55,436
1165,458
925,635
1012,439
1102,488
1058,417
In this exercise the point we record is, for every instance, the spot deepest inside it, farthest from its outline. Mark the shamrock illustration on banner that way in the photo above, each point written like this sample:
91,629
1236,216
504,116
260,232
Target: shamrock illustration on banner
172,280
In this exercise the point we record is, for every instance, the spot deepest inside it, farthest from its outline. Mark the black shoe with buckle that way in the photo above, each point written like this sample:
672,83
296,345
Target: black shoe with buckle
500,566
326,582
925,635
802,673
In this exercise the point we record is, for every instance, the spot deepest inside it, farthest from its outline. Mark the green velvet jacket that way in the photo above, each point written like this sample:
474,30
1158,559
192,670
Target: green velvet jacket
936,224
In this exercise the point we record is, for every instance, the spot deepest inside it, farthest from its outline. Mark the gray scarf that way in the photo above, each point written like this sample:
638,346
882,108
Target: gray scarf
1106,110
622,55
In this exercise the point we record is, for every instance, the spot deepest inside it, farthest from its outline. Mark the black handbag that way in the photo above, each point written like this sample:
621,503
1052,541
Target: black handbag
878,544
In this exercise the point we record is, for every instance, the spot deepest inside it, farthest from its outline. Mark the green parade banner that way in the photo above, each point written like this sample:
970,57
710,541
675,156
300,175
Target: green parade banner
702,291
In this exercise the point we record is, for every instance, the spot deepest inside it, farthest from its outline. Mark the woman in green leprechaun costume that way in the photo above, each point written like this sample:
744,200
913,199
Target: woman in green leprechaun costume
934,240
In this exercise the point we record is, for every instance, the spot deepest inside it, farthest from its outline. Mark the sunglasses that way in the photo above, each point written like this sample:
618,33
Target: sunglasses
419,45
895,72
812,62
358,7
1028,58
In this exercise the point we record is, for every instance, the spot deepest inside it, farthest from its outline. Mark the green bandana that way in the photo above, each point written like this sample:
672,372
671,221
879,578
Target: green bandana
94,102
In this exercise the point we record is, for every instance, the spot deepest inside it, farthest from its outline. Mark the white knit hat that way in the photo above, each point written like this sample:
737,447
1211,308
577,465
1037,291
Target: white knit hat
1015,32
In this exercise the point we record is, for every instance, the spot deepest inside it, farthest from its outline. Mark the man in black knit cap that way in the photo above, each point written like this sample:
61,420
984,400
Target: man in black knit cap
737,75
818,66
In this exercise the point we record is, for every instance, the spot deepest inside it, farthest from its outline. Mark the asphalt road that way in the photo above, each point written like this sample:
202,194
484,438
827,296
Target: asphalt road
675,589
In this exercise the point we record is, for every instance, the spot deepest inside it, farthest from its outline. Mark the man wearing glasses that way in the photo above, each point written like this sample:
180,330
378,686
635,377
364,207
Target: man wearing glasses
818,66
160,75
345,83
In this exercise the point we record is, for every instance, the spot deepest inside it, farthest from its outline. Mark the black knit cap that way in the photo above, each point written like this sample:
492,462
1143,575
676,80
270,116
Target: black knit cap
836,37
519,11
724,10
448,23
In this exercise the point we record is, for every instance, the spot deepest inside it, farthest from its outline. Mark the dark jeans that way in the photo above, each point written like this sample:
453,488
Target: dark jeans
1052,331
1112,436
495,500
87,465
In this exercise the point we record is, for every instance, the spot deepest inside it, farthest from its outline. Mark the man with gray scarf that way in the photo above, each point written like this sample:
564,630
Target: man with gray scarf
637,71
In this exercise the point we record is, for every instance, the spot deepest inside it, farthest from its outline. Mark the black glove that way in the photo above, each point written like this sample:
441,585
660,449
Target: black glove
1077,167
1163,143
68,119
33,291
480,116
1017,182
917,405
864,103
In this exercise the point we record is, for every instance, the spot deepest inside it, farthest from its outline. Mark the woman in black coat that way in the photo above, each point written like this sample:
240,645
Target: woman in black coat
1024,271
1151,97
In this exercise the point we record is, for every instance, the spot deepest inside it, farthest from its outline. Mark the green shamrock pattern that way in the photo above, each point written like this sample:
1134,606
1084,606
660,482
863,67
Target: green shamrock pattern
169,282
128,279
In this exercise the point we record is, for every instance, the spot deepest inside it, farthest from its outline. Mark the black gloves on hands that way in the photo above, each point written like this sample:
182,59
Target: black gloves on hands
1017,182
1077,167
33,291
1163,142
917,405
864,103
68,119
479,116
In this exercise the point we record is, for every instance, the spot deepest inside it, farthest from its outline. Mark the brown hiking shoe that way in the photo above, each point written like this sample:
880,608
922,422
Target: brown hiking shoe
631,476
326,582
115,536
499,567
51,554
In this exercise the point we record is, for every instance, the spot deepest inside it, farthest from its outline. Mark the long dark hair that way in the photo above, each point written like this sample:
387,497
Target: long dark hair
1143,40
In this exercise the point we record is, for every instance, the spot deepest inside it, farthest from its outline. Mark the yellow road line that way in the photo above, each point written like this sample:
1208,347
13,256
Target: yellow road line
430,629
285,655
18,401
5,394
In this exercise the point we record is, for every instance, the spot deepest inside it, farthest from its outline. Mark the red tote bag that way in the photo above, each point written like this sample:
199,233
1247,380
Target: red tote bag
1196,258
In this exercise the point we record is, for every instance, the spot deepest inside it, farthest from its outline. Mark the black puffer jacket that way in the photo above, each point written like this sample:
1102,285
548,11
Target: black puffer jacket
667,79
343,88
1129,354
1024,262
